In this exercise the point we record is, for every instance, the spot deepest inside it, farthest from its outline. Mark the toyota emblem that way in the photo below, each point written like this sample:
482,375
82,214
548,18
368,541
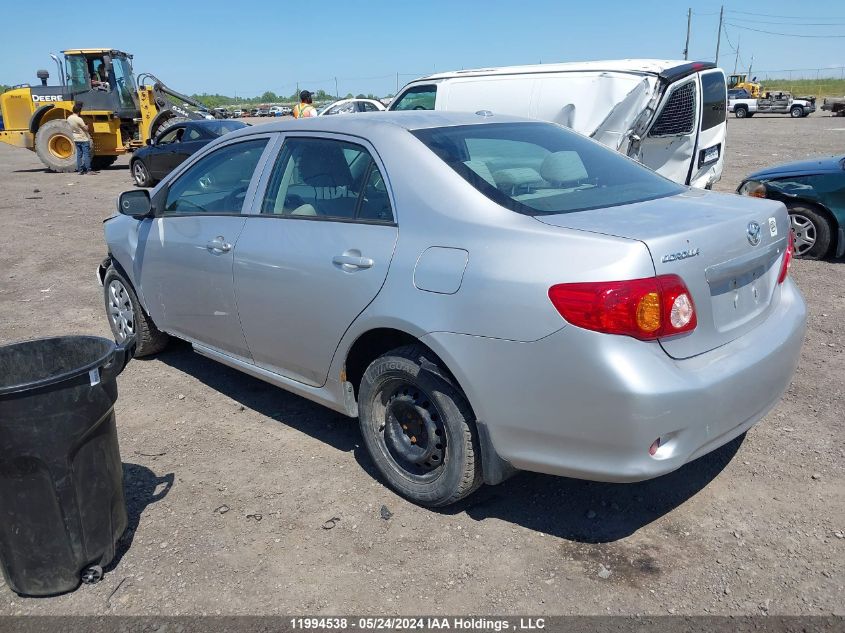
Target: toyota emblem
753,233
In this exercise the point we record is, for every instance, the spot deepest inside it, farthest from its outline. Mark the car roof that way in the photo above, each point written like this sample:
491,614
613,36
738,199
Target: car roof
647,66
367,123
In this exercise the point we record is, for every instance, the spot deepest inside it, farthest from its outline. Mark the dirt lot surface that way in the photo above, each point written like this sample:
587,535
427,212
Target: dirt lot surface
231,482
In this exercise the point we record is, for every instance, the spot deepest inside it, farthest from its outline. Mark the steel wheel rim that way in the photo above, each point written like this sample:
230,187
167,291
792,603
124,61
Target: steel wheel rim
803,233
60,146
410,431
121,313
140,172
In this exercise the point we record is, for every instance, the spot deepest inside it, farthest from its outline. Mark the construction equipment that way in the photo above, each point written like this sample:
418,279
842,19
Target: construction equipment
121,114
740,82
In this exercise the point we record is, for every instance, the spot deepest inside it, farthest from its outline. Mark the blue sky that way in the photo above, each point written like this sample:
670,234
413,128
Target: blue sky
213,46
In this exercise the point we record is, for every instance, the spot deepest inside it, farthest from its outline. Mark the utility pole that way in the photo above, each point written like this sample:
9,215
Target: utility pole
719,34
736,60
336,93
397,84
689,21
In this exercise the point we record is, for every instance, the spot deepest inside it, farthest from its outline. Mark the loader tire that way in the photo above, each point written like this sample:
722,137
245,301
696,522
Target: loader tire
102,162
54,146
167,124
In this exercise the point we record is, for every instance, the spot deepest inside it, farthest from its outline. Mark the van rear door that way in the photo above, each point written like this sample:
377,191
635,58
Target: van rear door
669,145
686,141
709,156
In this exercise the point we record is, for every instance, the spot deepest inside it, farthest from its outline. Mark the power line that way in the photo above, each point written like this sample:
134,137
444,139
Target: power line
748,28
789,17
787,23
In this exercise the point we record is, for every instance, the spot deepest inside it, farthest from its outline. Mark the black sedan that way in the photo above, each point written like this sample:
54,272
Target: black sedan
173,145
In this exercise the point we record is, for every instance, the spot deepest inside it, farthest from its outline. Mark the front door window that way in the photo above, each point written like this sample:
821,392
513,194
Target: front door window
216,183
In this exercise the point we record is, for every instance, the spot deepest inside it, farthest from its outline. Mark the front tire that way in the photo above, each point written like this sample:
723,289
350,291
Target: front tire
796,112
55,147
140,173
419,428
811,231
127,318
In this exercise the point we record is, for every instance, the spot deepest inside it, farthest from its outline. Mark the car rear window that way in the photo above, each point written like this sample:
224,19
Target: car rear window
542,169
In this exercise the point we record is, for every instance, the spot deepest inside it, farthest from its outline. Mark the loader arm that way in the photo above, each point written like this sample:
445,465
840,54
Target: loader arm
157,106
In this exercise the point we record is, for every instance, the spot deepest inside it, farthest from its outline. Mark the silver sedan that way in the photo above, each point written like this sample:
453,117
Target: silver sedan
485,294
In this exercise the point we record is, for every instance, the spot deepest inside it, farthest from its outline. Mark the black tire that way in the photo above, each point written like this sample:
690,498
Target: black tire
796,112
811,230
740,112
396,386
102,162
141,173
149,340
54,146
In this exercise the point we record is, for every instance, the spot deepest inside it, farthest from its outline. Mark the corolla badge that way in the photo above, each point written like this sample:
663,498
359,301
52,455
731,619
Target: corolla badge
753,233
674,257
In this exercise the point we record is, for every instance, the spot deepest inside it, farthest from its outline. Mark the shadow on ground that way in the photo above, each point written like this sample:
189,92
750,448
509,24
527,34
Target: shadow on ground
571,509
141,487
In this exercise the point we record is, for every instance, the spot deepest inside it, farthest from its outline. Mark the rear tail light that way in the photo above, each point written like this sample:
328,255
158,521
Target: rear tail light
647,309
787,257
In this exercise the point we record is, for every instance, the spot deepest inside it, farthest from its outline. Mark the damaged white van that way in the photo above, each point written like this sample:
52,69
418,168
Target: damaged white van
668,115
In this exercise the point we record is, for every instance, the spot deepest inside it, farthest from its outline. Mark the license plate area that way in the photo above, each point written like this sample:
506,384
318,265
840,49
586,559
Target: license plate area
709,155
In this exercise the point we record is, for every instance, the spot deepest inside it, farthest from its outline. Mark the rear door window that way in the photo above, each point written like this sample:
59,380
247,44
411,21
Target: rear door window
416,98
713,105
326,179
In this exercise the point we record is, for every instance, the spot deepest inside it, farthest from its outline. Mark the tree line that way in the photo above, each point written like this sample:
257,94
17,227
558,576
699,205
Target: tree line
220,101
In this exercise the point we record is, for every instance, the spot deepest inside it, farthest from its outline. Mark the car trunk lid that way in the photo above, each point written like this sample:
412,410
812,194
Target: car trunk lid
727,250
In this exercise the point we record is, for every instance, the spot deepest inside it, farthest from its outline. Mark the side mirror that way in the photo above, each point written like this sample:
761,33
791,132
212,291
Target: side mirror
135,203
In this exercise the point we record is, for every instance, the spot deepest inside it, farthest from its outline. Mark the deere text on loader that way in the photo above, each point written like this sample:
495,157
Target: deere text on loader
121,115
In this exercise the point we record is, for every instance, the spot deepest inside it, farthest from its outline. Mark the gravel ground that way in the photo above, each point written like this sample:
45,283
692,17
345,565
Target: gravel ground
230,482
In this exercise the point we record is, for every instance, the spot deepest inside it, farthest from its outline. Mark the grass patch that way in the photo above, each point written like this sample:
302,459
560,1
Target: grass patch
814,87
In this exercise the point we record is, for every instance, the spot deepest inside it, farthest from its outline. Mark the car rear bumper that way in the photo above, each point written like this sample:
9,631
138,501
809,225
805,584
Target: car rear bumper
589,405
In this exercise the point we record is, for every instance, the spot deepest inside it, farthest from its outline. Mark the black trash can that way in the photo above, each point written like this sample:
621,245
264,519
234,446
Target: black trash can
62,508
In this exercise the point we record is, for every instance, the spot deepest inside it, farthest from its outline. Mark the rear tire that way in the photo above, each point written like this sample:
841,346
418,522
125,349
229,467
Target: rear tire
811,230
140,173
55,147
127,318
741,112
102,162
419,428
167,124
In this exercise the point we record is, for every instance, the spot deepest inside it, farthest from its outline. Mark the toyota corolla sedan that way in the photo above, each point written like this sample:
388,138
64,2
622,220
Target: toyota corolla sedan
484,293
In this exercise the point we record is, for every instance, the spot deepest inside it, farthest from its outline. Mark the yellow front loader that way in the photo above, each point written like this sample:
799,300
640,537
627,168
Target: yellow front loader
120,114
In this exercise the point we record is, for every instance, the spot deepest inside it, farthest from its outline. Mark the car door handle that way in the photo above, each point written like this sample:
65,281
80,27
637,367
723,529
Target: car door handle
218,245
353,261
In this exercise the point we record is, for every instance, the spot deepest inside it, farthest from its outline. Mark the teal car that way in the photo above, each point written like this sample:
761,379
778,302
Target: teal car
814,194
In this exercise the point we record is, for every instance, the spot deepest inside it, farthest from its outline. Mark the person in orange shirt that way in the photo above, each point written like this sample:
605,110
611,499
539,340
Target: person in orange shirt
304,107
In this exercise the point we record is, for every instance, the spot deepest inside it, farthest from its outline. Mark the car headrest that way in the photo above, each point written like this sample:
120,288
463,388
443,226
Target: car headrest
563,167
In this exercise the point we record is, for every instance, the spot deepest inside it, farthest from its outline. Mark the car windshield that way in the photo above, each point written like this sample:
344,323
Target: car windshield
219,128
541,168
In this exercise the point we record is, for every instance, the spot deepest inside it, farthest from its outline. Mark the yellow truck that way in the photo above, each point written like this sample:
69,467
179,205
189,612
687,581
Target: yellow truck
122,115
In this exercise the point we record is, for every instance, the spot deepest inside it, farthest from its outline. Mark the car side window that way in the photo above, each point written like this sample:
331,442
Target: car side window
326,179
416,98
216,183
192,134
172,136
369,107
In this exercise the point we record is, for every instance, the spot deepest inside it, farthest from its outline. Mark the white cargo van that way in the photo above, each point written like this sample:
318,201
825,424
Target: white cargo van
669,115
